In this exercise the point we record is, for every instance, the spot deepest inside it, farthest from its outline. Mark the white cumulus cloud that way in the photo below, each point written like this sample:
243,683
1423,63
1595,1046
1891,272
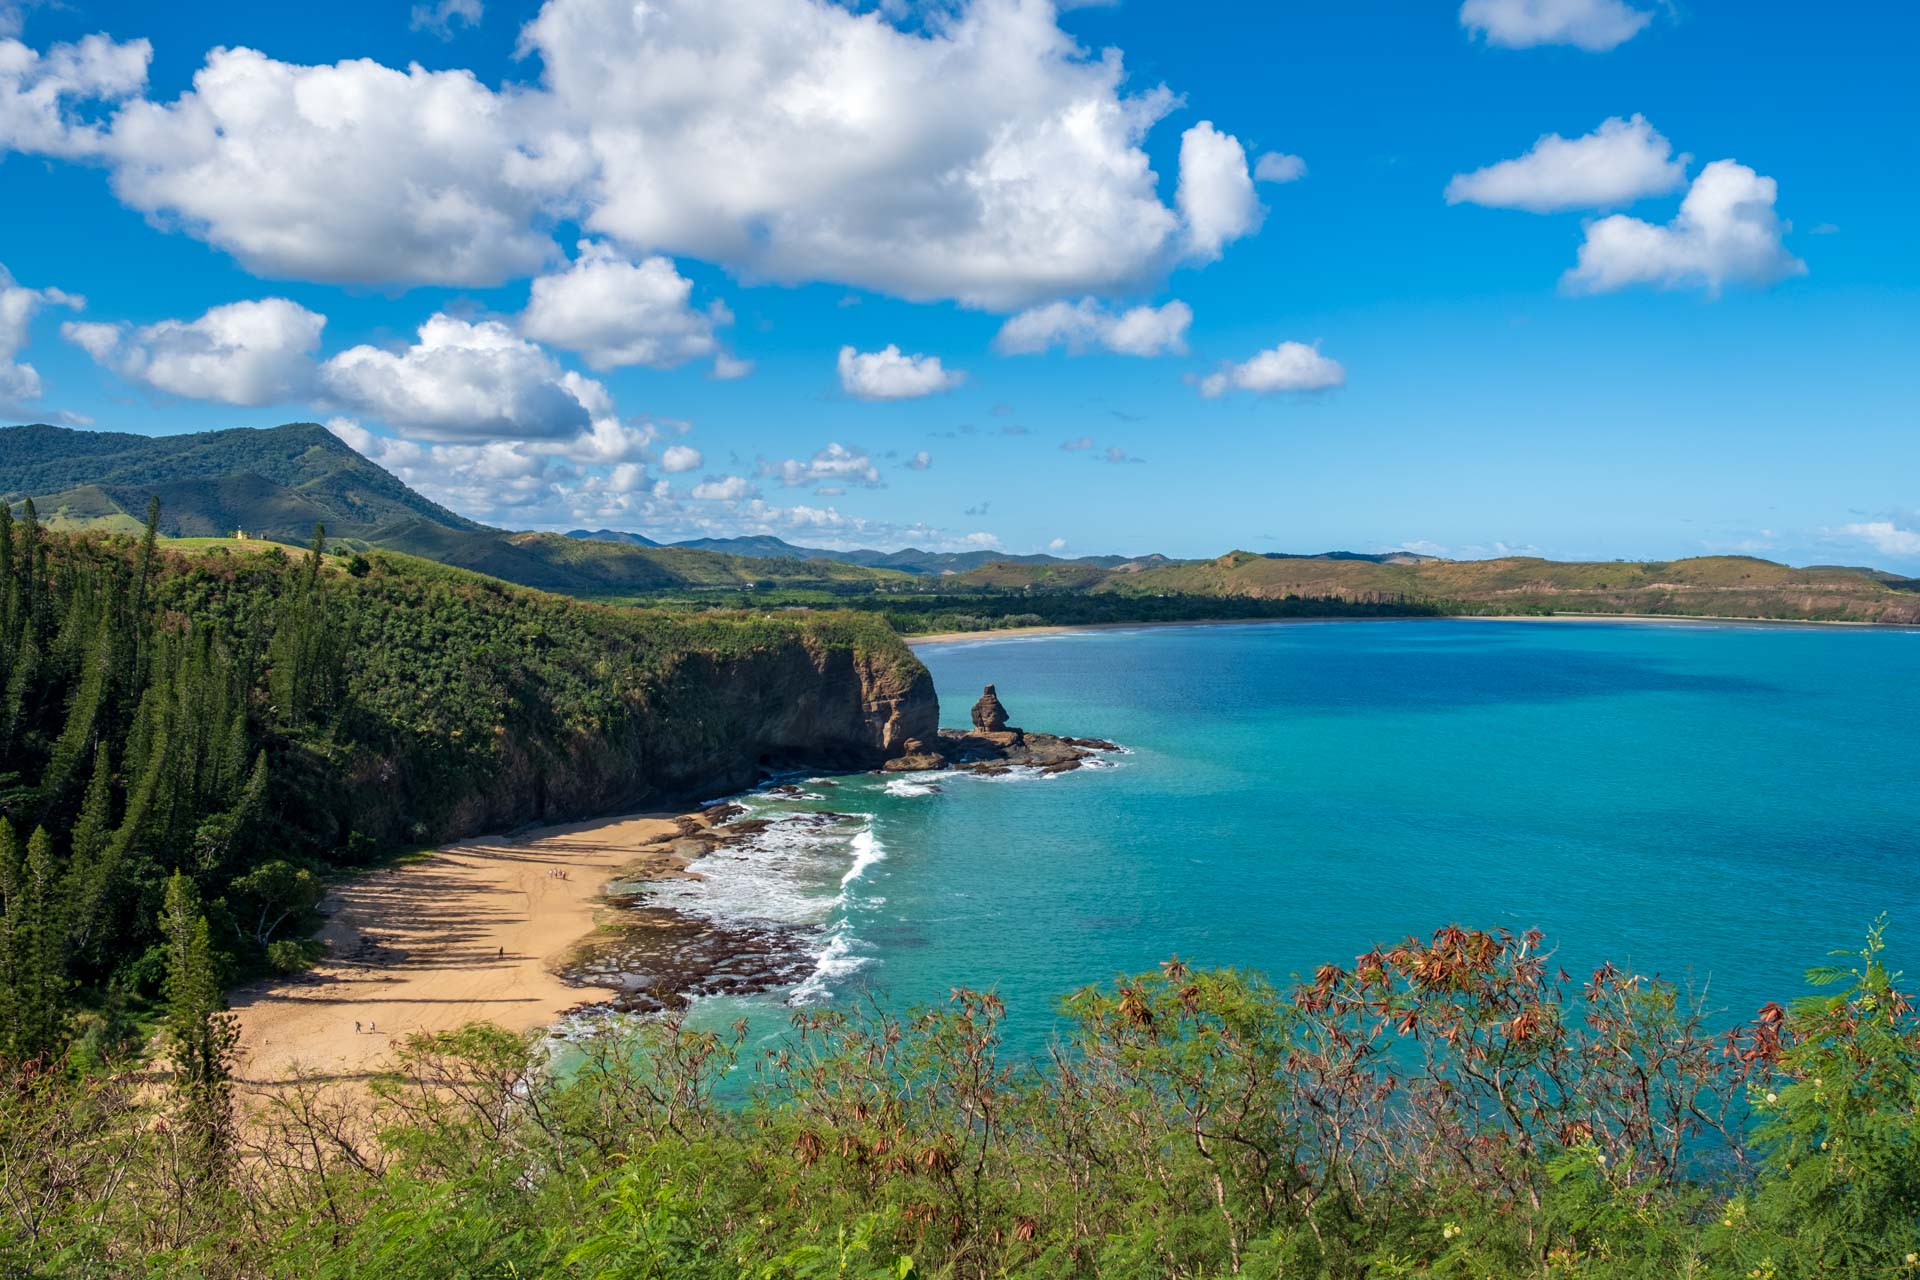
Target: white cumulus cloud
441,18
1886,536
723,489
1725,233
888,375
248,353
1291,366
1593,25
835,465
1215,195
1616,164
676,458
982,155
19,381
466,380
38,90
616,312
349,173
1089,324
1278,166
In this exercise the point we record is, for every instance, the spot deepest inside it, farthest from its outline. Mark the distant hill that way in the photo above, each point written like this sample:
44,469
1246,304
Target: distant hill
909,560
1709,586
279,482
612,535
1387,557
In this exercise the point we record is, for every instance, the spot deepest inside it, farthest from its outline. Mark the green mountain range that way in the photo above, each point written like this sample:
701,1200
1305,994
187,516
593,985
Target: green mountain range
906,560
278,483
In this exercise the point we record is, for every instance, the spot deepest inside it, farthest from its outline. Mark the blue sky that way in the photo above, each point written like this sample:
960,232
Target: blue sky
598,263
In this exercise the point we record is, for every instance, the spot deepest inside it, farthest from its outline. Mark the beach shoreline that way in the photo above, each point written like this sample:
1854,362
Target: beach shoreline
956,637
478,931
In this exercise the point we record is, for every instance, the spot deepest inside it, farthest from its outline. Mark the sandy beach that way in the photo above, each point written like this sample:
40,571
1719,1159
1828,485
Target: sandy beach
470,933
1009,633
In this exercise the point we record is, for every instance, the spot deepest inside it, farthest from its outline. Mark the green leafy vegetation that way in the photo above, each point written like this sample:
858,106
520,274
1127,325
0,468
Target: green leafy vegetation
192,742
928,611
1449,1107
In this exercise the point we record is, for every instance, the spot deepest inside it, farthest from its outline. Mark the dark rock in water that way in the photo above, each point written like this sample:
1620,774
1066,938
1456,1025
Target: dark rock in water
657,958
988,715
918,762
998,753
993,746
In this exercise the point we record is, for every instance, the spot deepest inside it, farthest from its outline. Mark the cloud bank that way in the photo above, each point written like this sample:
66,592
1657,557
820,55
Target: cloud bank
982,157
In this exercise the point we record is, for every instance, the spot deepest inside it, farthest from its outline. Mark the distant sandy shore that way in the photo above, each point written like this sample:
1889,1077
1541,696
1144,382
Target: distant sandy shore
952,637
471,933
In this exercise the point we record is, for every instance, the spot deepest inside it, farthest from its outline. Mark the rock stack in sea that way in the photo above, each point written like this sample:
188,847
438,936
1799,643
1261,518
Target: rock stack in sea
993,746
988,715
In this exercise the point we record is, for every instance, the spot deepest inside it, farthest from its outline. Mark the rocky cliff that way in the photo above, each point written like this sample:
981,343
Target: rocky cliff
709,724
463,705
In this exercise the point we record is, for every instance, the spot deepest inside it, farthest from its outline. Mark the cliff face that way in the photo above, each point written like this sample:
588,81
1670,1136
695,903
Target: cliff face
711,723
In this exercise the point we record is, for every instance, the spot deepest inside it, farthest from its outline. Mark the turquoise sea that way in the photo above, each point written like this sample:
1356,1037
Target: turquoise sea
1723,803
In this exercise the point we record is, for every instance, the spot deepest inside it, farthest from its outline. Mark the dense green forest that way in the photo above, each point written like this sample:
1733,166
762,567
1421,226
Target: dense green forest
254,719
928,610
1452,1107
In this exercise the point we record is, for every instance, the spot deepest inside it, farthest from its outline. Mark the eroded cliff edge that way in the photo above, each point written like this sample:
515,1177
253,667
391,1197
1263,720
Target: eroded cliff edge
712,723
472,707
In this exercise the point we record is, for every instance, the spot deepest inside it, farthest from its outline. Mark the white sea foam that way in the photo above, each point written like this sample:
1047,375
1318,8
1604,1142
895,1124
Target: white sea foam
789,873
837,960
801,870
867,850
1019,773
918,784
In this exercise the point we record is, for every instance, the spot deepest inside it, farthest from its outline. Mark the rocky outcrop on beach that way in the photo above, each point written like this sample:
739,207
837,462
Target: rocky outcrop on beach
993,746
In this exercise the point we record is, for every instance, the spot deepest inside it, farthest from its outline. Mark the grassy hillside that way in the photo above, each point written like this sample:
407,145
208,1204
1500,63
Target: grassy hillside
1717,586
279,483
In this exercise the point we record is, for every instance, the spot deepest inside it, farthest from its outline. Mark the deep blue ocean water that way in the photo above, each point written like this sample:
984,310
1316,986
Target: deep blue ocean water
1720,803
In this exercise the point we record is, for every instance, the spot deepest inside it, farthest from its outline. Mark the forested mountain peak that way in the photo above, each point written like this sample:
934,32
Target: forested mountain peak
278,482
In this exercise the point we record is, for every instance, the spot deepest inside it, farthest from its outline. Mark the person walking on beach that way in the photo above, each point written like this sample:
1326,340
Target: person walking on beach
356,1026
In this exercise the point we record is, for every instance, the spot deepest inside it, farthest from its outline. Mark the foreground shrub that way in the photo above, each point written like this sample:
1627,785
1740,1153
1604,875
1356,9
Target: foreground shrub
1455,1106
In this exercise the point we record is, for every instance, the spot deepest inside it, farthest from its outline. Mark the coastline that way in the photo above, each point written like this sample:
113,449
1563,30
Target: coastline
955,637
475,931
484,929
